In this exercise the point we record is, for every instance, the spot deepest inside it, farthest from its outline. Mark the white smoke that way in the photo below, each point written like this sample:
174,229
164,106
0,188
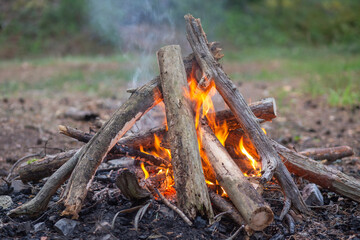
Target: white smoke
143,26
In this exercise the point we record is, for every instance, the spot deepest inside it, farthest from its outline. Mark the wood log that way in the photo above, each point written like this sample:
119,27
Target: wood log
129,186
191,190
45,166
320,174
331,154
271,162
252,207
232,97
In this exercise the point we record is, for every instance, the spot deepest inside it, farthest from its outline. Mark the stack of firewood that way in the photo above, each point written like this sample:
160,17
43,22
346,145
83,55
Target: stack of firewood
181,136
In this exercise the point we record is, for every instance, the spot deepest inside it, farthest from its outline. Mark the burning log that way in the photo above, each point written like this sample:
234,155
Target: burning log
271,162
320,174
330,154
264,109
192,194
246,199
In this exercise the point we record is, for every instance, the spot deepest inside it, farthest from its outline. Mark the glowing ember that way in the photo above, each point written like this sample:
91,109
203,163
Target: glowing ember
145,171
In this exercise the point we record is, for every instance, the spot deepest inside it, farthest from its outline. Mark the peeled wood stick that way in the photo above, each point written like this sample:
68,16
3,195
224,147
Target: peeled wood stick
117,149
318,173
232,97
252,207
330,154
191,190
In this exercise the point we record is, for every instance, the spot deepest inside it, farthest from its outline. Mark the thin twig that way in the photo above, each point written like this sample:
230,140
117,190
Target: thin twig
177,210
236,233
286,208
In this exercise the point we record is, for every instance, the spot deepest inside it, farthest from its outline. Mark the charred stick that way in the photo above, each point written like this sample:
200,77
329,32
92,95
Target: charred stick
331,154
224,206
117,149
177,210
191,190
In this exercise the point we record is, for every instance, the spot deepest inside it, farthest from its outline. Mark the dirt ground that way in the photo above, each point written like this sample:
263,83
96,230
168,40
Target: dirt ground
28,125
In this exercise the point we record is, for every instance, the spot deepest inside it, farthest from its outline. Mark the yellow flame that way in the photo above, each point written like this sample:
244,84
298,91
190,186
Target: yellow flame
224,194
243,150
264,130
210,183
144,170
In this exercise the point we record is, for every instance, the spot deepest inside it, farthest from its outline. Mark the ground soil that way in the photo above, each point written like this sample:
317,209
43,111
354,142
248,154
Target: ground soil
29,125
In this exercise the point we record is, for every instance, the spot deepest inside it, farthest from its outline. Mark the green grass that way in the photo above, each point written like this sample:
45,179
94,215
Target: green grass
323,71
328,72
75,78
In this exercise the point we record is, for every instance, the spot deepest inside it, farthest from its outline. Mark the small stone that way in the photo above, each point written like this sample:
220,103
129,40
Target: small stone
39,227
167,212
19,186
200,222
65,226
277,236
107,237
5,201
312,195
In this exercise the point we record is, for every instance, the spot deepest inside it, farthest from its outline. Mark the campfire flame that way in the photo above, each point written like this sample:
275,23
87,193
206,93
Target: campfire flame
201,100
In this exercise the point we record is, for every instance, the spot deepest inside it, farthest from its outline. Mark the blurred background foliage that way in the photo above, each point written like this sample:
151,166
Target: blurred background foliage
45,26
313,40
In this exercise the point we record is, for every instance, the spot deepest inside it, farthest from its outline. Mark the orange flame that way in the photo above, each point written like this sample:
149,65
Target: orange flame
159,150
144,170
